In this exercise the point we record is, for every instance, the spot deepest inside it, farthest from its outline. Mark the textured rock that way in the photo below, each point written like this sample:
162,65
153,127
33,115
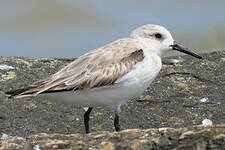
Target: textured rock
196,138
186,92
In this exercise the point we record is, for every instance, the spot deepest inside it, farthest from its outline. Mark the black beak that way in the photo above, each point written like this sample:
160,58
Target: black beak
178,47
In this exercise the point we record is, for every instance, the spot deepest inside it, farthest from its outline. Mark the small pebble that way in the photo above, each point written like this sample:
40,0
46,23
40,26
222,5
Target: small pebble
37,147
203,100
144,136
206,122
5,67
5,135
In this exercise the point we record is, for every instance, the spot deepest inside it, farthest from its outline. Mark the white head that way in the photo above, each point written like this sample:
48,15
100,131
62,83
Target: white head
159,40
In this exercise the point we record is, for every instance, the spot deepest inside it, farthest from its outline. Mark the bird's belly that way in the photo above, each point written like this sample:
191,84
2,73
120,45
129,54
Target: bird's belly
104,96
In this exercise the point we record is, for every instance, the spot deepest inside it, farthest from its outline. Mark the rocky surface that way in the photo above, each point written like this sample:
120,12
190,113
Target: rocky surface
187,92
196,138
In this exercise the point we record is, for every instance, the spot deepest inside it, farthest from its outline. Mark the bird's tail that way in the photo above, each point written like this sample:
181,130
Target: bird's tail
19,93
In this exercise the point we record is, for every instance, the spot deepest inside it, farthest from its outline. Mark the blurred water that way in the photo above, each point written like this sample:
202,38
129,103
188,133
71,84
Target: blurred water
68,28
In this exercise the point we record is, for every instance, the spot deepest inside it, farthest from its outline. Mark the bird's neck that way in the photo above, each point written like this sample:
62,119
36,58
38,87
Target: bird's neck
150,47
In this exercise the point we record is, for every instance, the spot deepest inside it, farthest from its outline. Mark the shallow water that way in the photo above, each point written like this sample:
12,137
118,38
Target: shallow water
46,28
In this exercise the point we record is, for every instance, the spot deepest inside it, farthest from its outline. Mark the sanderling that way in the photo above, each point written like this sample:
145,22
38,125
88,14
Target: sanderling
109,75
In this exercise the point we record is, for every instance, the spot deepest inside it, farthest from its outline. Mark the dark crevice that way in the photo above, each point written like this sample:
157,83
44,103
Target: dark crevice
153,101
190,74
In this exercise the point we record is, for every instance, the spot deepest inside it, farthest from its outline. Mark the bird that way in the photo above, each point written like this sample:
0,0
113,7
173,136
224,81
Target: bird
109,75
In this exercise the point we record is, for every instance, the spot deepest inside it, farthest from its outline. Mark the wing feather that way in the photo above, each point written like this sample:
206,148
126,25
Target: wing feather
101,67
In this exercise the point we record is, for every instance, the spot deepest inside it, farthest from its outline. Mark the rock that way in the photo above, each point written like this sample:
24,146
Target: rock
196,138
173,100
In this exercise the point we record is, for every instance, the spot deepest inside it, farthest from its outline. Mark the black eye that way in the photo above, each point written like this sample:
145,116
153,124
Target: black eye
158,35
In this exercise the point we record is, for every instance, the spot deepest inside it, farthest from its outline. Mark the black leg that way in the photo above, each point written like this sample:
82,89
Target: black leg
86,119
117,122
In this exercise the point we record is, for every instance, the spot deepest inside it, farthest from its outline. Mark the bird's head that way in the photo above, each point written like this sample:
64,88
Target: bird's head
159,40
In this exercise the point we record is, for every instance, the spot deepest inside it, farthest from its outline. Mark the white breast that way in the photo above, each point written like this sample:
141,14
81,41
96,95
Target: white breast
144,73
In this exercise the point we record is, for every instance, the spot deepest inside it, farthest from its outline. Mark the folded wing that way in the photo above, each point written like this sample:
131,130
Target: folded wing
101,67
